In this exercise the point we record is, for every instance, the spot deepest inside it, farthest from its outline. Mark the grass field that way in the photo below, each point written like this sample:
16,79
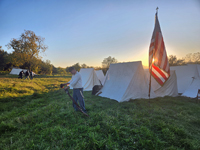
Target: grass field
36,114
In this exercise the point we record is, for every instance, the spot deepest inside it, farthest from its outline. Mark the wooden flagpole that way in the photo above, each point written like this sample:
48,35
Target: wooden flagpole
152,61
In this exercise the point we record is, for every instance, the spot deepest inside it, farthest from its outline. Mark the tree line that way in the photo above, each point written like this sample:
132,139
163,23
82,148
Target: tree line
105,65
191,58
27,50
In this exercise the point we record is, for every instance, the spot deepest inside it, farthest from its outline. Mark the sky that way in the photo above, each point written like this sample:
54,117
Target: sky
87,31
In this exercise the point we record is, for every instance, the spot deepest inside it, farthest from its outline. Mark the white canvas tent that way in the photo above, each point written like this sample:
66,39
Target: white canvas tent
16,71
170,88
89,78
192,90
125,81
185,75
100,76
188,77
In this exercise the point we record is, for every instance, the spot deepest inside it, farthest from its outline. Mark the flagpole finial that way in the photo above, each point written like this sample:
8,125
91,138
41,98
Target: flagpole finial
157,10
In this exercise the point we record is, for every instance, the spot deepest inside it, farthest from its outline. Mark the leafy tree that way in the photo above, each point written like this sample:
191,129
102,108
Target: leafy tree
35,65
107,61
61,71
84,66
76,66
54,70
3,58
26,49
45,67
97,68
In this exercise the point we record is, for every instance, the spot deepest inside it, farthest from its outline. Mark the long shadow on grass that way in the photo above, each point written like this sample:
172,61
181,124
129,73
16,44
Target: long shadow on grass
27,103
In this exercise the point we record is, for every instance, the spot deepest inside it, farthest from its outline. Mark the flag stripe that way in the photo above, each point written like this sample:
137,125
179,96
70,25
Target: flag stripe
157,78
158,75
164,60
161,52
160,72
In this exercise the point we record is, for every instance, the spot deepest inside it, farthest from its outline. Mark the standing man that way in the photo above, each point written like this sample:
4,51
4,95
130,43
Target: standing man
31,75
27,74
76,83
21,74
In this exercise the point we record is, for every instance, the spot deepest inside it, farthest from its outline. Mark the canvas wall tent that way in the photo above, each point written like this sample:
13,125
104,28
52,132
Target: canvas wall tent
188,77
192,90
100,76
196,67
185,75
16,71
89,78
170,87
125,81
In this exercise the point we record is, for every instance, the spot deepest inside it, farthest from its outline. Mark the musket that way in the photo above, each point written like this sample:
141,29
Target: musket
77,105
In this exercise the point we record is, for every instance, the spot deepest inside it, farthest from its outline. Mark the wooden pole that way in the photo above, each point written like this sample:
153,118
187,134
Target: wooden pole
152,61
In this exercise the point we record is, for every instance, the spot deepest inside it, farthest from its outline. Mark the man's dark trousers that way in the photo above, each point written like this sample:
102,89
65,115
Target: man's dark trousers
78,97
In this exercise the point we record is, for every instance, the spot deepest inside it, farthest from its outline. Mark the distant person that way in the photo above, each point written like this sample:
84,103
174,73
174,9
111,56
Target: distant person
21,73
31,75
76,83
27,74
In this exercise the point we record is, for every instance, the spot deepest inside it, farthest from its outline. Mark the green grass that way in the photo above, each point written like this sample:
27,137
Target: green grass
36,114
4,72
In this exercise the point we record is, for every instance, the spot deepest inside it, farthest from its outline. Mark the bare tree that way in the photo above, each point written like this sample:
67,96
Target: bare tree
192,58
173,61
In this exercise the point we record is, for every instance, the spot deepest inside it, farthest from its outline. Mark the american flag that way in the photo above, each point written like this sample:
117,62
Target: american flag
158,61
